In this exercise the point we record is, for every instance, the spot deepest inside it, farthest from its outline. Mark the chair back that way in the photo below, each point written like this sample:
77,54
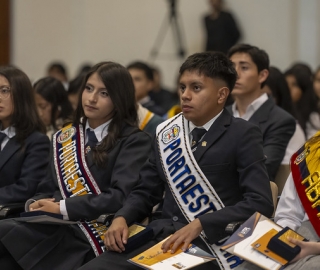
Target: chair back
274,191
282,176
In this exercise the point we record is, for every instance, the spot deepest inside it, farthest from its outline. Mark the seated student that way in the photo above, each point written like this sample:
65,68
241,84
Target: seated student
277,87
142,76
95,164
253,105
53,105
162,97
297,205
74,90
316,84
24,148
58,71
299,78
222,179
148,119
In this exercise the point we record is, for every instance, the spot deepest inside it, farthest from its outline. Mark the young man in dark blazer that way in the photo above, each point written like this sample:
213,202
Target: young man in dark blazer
252,104
208,181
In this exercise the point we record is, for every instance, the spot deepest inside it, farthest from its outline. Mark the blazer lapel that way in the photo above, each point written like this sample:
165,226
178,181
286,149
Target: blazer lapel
11,147
213,134
262,114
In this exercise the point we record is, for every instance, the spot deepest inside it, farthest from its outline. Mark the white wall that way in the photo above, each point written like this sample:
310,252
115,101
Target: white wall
78,31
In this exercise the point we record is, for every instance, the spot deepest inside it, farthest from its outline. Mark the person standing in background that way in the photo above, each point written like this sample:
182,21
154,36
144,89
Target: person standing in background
221,29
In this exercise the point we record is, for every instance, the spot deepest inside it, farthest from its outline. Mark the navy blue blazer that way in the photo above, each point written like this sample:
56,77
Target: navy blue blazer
23,167
277,127
233,162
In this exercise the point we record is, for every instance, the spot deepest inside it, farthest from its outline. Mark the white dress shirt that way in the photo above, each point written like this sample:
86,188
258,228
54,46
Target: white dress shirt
10,132
206,126
297,140
290,211
251,109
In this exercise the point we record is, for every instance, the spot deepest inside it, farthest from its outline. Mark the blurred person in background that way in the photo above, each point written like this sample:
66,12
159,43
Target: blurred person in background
142,76
299,79
58,71
161,96
221,29
52,102
276,86
316,84
74,90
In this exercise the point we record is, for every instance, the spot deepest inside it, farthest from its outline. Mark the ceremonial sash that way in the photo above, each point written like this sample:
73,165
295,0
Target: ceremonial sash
146,120
176,109
191,189
305,168
75,179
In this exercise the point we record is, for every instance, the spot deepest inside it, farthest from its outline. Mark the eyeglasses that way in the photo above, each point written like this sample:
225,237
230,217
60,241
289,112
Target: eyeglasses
4,92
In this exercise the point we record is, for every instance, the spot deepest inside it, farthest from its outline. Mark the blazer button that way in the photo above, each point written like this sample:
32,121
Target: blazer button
175,218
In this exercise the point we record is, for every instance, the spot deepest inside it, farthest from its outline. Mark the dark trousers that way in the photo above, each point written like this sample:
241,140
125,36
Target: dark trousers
40,246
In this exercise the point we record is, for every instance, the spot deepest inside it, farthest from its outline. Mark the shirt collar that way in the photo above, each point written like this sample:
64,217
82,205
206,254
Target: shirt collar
252,108
100,131
144,100
206,126
9,131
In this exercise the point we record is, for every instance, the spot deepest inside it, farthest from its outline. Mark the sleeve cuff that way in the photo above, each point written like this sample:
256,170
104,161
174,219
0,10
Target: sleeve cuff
27,204
63,210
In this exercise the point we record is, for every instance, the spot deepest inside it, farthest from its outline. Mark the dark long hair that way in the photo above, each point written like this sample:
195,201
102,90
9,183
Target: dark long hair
119,84
25,118
280,90
308,101
52,91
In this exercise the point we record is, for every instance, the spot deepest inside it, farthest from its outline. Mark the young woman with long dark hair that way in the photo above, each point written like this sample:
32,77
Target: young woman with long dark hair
95,164
24,148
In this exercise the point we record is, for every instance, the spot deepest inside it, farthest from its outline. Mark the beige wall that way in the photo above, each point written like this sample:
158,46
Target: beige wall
78,31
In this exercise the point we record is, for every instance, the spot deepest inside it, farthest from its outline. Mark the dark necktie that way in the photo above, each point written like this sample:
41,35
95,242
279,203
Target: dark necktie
197,134
92,140
2,136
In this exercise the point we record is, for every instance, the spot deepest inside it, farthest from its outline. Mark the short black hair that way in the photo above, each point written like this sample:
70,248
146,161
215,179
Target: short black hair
258,56
214,65
142,66
57,66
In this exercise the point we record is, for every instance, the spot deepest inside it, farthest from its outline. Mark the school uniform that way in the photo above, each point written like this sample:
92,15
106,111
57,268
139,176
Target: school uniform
231,158
66,247
148,121
277,127
22,166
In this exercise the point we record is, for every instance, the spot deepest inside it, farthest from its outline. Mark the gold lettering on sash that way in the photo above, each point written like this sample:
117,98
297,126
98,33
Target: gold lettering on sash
313,190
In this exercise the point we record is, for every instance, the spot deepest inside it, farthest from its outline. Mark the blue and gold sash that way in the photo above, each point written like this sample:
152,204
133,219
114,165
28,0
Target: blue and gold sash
75,179
305,168
191,189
